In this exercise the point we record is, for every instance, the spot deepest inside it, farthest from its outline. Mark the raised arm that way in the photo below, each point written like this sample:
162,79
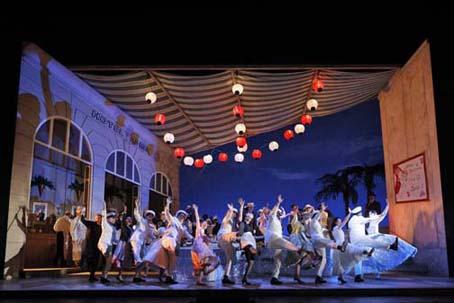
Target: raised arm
276,206
104,216
167,213
228,215
197,220
241,201
346,218
384,213
137,215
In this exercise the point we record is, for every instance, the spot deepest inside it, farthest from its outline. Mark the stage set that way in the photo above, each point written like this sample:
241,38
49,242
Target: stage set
96,176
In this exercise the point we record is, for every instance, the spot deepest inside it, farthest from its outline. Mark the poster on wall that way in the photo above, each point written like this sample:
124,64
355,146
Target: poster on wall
410,180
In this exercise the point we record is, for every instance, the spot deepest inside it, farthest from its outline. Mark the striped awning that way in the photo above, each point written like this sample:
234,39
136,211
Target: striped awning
199,108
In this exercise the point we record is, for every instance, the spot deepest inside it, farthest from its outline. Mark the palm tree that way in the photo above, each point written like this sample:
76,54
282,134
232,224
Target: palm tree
42,182
78,187
367,175
341,183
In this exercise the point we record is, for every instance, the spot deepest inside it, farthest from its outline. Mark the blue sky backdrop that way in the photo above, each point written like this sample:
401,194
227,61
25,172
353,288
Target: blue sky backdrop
351,137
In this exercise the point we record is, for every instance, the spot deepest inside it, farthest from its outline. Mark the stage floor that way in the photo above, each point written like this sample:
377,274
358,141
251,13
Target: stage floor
78,287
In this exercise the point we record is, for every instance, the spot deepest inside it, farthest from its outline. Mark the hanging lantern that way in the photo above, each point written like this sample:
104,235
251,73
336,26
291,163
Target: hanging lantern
240,128
151,98
208,159
238,111
299,129
237,89
199,163
312,104
179,152
273,146
318,85
169,138
242,149
188,161
223,157
306,119
240,141
288,134
239,158
256,154
160,119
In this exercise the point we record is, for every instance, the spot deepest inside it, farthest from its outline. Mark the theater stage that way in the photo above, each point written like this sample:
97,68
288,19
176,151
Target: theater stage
77,287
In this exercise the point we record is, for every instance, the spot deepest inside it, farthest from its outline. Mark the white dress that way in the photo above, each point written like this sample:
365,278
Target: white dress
316,230
142,235
343,262
78,235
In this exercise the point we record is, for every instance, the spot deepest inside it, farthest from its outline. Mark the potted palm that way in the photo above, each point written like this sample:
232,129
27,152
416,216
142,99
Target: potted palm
78,187
42,182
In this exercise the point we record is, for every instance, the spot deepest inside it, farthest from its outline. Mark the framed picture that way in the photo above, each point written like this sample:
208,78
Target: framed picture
40,210
410,180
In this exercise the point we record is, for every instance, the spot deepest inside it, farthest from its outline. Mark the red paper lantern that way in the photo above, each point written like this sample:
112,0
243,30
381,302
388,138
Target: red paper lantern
179,152
199,163
306,119
318,85
241,141
223,157
238,111
160,119
256,154
288,134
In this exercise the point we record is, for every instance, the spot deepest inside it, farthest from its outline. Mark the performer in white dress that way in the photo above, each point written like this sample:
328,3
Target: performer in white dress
203,258
142,237
357,228
320,243
78,235
384,260
353,254
275,241
163,251
226,236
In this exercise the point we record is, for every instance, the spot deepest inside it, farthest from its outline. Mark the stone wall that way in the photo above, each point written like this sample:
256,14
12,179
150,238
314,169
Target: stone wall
409,128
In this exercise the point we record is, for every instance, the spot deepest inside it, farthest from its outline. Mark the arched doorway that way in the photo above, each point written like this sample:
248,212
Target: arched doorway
160,189
60,181
122,181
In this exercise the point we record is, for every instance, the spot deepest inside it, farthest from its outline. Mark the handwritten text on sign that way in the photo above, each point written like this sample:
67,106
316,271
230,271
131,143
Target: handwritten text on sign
410,180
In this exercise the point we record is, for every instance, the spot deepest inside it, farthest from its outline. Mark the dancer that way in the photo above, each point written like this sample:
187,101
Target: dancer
384,260
203,258
123,247
320,243
91,246
299,239
63,229
275,241
353,254
144,234
357,227
226,236
107,240
78,235
248,244
163,252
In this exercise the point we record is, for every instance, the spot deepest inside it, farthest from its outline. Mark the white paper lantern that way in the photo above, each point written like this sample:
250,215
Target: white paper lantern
188,161
237,89
273,146
242,149
240,128
208,159
151,98
299,129
239,158
312,104
169,138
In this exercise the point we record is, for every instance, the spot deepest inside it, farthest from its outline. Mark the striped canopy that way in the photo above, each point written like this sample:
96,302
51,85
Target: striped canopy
199,107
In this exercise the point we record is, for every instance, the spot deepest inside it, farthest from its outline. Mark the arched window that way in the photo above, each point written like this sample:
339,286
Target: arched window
122,181
61,175
160,189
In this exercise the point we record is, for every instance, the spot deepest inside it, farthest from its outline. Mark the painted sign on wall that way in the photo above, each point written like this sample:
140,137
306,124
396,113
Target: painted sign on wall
410,180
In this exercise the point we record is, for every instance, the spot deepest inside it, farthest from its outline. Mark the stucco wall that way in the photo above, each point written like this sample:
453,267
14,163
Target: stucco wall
408,129
48,89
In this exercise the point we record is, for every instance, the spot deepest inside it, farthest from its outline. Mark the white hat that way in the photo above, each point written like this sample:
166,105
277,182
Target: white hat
250,215
235,210
250,204
111,214
149,212
356,210
181,212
